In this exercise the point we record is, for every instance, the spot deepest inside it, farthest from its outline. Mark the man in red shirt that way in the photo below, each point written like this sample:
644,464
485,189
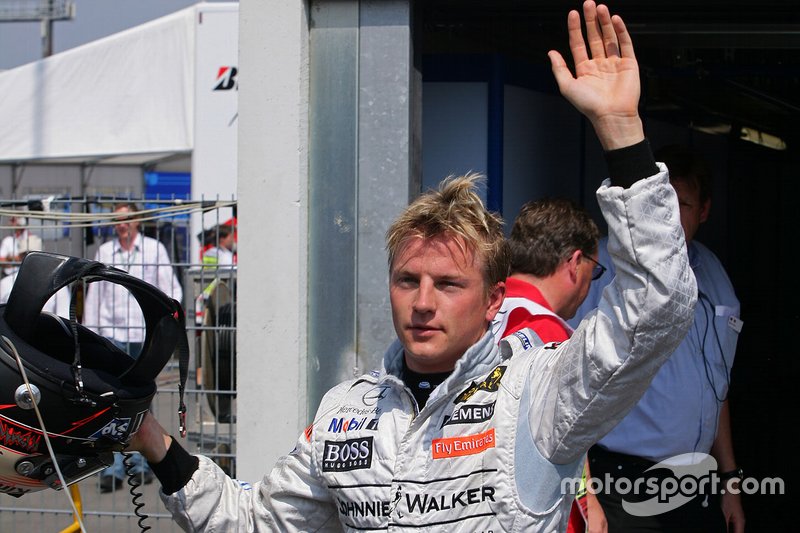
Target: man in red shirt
553,249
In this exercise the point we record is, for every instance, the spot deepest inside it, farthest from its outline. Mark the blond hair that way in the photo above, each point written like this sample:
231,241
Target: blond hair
456,210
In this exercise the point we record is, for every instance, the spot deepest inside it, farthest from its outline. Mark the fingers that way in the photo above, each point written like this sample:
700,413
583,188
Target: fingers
561,72
556,60
606,36
611,46
625,42
593,33
576,44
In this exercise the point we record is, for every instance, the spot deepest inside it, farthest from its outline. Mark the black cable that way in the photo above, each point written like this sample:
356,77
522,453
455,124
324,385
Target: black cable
82,397
702,298
76,363
36,204
134,481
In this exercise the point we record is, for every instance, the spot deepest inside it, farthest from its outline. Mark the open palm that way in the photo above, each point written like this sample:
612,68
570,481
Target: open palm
606,85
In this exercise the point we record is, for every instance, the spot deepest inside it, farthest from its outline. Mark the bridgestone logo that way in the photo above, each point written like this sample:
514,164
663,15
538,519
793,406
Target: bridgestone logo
352,454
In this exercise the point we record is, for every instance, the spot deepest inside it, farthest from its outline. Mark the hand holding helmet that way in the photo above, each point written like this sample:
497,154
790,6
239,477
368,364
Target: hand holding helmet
91,396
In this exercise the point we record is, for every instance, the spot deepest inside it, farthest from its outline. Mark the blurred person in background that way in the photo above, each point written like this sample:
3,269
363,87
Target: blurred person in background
112,312
12,246
222,252
58,304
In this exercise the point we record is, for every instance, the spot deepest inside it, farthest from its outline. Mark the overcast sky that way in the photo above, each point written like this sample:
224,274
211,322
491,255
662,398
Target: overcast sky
21,42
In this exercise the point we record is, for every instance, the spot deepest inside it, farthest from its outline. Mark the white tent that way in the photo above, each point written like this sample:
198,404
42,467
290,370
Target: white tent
138,97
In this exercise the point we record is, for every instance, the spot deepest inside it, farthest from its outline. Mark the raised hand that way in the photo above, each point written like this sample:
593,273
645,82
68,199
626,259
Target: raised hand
605,86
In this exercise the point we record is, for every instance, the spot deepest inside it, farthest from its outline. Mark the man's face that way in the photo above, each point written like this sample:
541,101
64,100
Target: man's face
125,228
693,211
19,225
440,305
227,242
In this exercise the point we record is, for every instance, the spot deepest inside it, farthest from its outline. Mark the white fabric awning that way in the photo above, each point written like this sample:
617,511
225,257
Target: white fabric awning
124,99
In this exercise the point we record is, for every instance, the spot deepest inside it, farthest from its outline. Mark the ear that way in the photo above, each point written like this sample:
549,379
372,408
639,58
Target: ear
496,296
572,263
705,210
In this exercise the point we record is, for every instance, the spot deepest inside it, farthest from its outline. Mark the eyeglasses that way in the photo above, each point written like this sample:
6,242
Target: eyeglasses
598,270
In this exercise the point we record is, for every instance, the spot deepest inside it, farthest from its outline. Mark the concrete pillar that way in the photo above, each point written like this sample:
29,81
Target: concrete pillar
329,110
364,121
273,213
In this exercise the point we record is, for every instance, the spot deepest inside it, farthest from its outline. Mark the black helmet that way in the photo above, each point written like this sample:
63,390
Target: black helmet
91,395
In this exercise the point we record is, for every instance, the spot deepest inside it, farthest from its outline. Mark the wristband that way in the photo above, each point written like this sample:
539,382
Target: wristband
630,164
176,468
737,473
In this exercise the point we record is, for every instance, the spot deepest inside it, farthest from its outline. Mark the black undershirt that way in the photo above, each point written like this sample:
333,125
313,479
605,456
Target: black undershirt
422,385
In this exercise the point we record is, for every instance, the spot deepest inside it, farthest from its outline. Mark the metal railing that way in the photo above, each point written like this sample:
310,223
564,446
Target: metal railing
77,227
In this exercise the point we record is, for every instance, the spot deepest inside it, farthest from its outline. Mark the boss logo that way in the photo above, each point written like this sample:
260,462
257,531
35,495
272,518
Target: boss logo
352,454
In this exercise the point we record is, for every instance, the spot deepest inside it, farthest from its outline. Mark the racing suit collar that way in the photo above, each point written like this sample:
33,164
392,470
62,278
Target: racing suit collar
477,361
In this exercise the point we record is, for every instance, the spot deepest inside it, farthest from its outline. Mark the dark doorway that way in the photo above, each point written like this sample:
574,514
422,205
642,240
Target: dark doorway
713,73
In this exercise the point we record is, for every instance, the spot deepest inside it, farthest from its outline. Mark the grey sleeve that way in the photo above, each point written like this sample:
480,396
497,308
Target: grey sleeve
582,388
287,499
292,497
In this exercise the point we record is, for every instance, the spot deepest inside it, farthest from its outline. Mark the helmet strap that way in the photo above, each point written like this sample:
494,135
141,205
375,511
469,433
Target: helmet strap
76,363
183,368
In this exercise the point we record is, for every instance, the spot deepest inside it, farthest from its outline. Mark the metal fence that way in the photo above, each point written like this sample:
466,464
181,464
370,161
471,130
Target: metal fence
78,227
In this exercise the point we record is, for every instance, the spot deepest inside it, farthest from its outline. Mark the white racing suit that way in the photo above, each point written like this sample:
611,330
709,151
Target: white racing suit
490,449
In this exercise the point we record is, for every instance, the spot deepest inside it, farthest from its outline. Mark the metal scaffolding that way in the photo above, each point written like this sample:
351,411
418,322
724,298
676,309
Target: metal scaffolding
44,11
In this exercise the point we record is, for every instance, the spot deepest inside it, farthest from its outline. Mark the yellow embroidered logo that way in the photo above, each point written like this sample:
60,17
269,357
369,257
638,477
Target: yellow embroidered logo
490,384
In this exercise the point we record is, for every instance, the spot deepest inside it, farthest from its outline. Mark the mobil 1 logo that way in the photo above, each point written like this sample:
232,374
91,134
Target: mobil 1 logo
351,454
